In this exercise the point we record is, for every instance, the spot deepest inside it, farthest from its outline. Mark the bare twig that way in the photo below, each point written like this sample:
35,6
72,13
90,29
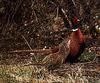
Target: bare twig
28,46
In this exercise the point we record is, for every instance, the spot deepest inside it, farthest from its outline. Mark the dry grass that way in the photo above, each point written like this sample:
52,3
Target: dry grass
21,70
38,74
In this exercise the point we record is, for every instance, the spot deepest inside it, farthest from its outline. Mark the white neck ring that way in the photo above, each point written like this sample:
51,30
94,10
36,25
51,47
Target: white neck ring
74,29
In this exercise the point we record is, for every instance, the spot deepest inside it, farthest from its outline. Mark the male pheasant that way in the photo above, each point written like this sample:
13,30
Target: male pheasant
69,50
77,41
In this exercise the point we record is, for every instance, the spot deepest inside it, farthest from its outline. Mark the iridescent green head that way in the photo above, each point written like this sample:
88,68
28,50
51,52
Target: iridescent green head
75,23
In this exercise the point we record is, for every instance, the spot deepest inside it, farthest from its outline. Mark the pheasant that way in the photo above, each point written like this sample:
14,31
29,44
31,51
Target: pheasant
76,39
68,50
77,42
